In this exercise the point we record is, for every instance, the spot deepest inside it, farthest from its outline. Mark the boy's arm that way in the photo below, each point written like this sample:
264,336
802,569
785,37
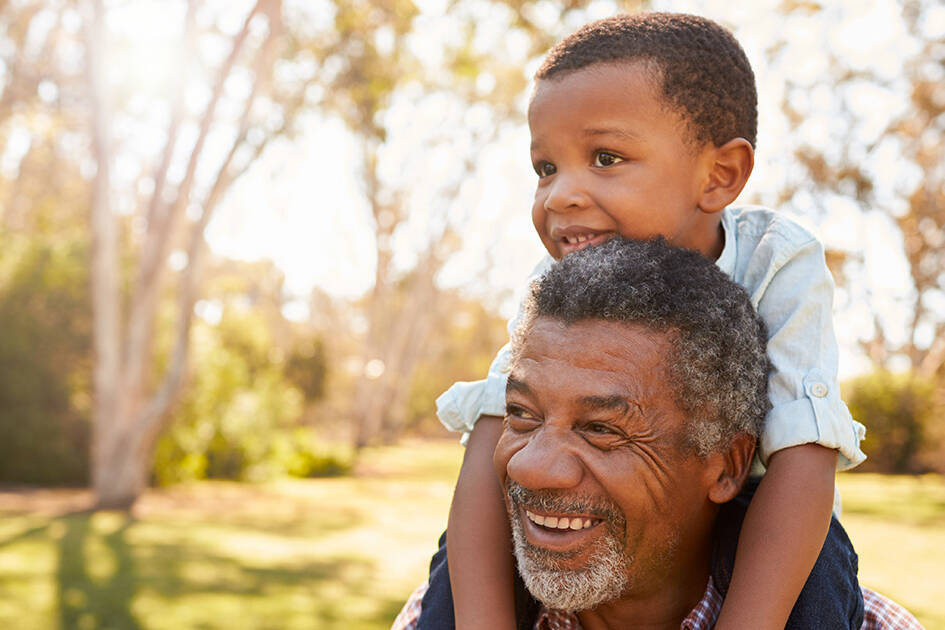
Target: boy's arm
781,537
806,430
478,538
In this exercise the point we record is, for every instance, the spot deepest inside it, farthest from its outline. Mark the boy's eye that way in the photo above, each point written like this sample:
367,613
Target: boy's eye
606,159
544,169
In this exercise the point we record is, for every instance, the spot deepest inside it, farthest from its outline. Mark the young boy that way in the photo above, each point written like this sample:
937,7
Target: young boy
644,125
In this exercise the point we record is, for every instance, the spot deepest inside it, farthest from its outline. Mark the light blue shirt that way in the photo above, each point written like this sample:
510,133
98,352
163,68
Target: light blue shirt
782,267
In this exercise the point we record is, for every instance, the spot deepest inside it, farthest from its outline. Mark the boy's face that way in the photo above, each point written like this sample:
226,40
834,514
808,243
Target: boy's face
613,158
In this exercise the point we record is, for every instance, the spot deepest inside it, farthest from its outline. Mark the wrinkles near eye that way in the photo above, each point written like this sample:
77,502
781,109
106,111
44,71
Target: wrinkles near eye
603,435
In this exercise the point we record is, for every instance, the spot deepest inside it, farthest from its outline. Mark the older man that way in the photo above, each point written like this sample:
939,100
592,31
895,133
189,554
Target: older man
633,405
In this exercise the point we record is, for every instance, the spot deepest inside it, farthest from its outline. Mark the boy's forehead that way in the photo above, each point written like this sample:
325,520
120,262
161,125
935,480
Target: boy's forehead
635,70
619,83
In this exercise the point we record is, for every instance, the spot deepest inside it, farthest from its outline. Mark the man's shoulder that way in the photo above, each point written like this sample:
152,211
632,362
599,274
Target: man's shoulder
882,613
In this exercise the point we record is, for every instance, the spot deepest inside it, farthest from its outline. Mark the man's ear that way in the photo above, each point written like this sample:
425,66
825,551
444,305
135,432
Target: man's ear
730,468
730,167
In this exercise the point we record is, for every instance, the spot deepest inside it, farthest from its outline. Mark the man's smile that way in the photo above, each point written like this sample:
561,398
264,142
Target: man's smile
561,522
555,534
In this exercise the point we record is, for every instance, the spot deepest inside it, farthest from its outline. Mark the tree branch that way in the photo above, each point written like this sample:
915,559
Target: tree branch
152,267
150,418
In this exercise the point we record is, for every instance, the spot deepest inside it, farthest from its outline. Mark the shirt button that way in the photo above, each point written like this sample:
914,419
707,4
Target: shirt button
818,389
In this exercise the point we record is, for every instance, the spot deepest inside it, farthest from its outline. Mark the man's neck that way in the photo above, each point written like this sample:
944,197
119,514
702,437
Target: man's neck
658,606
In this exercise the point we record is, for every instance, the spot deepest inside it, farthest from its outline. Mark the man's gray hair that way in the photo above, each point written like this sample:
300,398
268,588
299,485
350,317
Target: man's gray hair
717,367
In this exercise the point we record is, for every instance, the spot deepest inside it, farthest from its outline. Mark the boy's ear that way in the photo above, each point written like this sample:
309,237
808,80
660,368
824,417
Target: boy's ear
730,167
729,468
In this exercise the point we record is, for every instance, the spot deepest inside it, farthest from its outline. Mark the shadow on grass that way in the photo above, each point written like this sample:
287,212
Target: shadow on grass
111,578
88,602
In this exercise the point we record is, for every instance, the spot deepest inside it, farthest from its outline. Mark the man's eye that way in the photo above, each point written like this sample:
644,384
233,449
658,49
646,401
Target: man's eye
544,169
519,419
598,428
603,435
604,158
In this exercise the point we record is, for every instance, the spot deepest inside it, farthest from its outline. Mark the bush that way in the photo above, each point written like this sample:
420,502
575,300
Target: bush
233,410
305,459
897,410
44,363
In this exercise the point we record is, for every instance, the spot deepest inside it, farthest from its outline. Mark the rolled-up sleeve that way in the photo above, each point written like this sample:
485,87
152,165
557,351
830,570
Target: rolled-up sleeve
459,407
795,299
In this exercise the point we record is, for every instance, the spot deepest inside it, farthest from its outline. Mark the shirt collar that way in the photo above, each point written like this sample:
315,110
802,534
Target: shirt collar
702,617
726,260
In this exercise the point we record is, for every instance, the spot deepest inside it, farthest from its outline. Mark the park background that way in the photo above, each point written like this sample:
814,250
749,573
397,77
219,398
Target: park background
245,244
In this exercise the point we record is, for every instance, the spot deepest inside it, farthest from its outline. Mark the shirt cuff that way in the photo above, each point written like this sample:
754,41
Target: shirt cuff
820,417
459,407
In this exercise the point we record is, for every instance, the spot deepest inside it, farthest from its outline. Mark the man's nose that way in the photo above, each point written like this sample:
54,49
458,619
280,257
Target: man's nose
566,192
546,462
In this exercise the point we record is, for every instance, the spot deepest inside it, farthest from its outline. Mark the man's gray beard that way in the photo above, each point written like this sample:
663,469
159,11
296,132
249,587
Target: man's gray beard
604,578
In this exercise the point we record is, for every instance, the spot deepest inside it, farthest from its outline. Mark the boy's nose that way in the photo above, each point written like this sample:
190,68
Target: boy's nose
566,193
546,462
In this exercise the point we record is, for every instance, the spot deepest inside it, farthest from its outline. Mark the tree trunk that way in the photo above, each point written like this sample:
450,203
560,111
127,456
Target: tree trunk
120,474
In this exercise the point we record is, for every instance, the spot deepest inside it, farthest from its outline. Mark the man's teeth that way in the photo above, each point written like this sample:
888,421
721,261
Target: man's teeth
574,240
560,522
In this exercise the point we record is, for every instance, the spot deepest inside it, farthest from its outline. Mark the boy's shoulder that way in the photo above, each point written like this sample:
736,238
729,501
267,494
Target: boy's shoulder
754,226
759,242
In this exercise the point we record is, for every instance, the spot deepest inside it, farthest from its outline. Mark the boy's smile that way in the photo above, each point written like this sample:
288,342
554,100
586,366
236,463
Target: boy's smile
613,157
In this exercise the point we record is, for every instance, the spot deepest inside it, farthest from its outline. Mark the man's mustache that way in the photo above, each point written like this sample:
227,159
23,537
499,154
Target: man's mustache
561,502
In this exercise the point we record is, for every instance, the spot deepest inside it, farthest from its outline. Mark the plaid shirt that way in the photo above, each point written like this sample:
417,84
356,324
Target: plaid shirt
880,613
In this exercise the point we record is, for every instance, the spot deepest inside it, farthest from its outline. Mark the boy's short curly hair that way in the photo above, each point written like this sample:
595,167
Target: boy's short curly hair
705,73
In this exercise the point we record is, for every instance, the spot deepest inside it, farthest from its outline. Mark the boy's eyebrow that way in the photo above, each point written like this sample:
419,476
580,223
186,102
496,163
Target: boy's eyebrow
621,133
612,131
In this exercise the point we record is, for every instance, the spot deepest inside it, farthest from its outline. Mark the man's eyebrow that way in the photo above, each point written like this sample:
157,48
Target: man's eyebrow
610,403
516,385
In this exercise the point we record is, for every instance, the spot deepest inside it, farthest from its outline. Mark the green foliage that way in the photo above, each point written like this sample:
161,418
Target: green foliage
235,405
306,368
44,362
304,458
897,410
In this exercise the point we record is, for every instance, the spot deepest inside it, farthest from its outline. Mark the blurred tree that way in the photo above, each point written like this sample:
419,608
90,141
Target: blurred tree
855,162
898,409
478,79
131,403
468,335
160,156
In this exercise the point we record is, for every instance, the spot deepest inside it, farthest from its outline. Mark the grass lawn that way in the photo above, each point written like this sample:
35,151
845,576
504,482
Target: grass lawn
336,553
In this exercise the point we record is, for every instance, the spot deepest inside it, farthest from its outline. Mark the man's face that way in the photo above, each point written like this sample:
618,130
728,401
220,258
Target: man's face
604,496
613,158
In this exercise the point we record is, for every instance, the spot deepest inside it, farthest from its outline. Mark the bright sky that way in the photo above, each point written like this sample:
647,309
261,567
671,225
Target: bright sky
301,205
